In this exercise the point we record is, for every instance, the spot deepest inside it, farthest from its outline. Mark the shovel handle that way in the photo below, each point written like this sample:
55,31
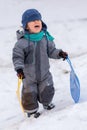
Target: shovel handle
68,60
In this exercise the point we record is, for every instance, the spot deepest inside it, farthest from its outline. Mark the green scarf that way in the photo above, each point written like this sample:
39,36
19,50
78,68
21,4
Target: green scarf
38,36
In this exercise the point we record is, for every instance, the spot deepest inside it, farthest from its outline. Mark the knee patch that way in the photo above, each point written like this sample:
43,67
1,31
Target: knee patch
47,94
29,101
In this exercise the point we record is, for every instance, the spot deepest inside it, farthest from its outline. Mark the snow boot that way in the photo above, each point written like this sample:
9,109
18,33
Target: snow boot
35,114
49,107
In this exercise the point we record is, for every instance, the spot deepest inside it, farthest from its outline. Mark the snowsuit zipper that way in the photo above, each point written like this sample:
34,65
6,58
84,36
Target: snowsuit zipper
37,61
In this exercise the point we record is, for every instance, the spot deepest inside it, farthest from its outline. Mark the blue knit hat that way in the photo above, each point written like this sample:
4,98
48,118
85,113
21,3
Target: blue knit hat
30,15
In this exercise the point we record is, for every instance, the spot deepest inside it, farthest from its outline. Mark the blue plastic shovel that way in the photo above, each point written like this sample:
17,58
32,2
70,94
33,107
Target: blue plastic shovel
74,83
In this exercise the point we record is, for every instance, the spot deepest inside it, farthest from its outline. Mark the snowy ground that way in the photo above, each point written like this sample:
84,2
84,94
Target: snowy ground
67,22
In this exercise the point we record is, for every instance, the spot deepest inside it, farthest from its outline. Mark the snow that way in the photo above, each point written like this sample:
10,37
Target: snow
67,22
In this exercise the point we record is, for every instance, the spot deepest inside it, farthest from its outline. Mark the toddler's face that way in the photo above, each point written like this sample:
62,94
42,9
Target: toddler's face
34,26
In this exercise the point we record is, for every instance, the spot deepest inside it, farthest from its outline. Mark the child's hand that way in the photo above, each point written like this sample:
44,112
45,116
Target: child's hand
63,55
20,74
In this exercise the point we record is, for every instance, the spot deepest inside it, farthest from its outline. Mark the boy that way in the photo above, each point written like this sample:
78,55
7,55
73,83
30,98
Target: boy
31,56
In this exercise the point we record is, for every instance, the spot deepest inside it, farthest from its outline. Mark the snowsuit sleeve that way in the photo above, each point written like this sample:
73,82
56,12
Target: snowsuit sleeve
18,56
53,52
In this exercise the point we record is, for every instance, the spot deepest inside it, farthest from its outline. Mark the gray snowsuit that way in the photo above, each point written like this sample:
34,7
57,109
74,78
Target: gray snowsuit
33,58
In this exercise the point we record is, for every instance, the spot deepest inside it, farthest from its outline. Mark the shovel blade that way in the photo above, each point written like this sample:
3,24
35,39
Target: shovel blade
74,86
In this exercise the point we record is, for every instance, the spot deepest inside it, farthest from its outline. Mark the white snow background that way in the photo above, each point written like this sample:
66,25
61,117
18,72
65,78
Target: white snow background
67,22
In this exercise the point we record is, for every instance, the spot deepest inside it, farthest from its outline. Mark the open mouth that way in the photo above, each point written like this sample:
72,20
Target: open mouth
36,26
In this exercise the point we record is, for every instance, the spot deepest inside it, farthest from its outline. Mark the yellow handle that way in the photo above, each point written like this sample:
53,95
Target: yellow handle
18,93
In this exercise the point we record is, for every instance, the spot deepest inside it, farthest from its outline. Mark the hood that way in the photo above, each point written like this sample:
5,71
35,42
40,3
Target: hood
44,26
20,34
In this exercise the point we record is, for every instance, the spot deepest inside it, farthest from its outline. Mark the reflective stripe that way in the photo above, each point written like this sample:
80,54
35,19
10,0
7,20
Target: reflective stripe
31,111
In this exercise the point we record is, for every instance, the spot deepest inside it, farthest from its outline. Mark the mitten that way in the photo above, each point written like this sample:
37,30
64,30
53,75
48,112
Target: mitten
20,73
63,55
